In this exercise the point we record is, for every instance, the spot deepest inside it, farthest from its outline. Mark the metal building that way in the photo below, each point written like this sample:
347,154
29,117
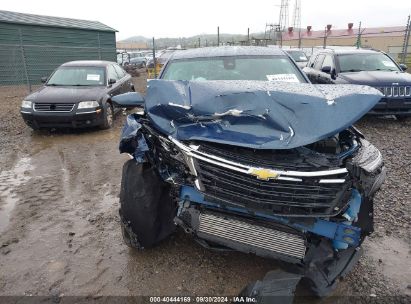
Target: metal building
32,46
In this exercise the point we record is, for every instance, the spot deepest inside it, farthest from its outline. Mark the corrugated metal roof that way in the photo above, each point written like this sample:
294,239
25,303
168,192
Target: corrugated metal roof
14,17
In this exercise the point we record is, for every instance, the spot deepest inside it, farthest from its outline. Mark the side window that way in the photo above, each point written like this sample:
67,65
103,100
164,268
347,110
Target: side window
319,62
120,71
111,73
312,60
328,61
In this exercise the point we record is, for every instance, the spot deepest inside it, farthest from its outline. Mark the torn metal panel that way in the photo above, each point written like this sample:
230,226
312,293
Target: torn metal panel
277,287
132,140
255,114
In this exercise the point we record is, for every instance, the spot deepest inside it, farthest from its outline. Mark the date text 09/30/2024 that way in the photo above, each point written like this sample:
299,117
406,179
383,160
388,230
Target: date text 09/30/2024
205,299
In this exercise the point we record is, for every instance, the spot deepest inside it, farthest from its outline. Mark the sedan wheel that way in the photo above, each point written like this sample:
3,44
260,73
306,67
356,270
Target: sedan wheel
108,120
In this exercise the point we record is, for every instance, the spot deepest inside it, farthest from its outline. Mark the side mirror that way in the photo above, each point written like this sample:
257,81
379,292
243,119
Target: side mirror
403,67
326,69
128,100
44,79
111,81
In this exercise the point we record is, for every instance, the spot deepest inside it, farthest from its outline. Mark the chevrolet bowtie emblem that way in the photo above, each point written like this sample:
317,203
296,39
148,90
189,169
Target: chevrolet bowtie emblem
264,174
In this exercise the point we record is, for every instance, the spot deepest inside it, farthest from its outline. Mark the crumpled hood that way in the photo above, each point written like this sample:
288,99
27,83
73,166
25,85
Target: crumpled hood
67,94
255,114
376,78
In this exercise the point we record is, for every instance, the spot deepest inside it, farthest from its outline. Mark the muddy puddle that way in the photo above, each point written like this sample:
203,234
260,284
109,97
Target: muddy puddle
9,181
63,235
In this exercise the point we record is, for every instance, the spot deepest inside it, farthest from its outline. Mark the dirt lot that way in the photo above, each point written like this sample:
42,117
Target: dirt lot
59,224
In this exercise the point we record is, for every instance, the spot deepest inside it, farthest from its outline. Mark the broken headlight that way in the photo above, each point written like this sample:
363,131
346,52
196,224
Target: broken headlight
373,162
369,157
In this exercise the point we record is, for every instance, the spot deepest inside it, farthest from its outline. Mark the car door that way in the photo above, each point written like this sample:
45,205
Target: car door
113,88
327,69
314,69
124,79
308,69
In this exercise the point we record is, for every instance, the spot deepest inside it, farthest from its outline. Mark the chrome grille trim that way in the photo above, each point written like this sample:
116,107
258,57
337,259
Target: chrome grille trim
252,235
190,152
396,91
58,107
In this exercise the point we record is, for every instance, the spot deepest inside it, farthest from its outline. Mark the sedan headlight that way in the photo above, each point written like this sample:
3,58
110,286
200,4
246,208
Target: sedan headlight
88,104
26,104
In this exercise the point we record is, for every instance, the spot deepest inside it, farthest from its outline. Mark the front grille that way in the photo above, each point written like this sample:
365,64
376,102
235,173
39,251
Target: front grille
396,91
241,234
53,107
307,197
278,159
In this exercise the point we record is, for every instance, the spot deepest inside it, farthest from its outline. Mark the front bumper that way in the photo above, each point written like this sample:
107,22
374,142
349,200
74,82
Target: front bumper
73,119
392,106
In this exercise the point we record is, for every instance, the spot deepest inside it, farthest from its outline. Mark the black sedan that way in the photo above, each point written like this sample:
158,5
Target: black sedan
77,94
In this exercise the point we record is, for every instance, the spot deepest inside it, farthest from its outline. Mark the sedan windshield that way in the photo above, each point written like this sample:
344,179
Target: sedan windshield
78,76
298,56
366,62
271,68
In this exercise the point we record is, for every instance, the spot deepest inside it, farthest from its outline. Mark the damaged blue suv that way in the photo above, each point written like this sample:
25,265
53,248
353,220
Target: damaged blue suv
238,148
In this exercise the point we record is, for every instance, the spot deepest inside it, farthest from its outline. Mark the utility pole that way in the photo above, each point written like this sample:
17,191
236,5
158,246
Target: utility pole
281,39
284,15
299,38
248,36
154,59
297,14
199,42
406,40
325,38
358,43
218,36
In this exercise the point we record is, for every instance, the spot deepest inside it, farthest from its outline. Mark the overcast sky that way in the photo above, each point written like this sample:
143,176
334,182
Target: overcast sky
182,18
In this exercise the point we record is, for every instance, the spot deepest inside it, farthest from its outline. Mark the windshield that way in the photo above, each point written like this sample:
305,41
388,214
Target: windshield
366,62
298,56
271,68
78,76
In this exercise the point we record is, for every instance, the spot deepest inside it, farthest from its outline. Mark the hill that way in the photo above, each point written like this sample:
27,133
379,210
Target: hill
186,42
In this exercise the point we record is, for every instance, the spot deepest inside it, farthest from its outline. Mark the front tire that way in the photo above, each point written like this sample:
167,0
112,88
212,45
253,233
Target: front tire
108,117
147,210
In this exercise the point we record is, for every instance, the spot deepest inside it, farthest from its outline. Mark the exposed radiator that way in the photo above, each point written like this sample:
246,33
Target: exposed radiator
260,237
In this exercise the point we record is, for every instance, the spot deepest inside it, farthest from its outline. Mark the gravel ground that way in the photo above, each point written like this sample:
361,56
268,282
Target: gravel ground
59,224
